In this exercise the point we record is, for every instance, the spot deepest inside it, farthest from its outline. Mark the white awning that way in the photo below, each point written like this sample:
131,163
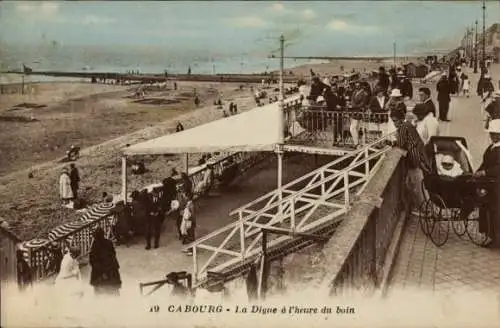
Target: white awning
254,130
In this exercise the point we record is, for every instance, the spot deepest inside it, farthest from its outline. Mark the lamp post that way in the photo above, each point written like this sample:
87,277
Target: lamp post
484,35
475,51
394,53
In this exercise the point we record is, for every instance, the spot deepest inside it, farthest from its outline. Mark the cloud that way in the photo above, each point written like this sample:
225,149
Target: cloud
42,10
340,25
97,20
278,7
308,14
247,22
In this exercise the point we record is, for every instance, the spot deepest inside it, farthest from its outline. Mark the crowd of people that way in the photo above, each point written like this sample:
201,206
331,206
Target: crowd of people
353,101
414,137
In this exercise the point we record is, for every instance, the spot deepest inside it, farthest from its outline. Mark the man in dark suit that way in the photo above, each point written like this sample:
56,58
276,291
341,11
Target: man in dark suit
489,215
443,90
424,94
317,88
383,79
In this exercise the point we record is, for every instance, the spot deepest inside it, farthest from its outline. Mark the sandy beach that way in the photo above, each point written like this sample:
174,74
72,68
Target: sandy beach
101,119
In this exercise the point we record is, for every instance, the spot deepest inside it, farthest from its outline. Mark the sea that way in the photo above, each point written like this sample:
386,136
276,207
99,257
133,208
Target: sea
124,60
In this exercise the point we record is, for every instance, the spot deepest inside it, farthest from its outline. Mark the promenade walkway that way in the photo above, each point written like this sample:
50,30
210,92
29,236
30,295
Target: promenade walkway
458,264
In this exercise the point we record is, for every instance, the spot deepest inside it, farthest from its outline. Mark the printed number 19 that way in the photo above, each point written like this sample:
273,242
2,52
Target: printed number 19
154,308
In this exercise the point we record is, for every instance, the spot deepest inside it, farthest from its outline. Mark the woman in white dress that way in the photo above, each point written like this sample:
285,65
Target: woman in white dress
65,191
69,280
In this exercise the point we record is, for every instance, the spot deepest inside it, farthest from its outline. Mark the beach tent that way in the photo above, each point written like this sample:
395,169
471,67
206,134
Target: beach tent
254,130
260,129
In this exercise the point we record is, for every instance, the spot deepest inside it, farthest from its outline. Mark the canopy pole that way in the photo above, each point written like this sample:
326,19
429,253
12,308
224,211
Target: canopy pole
186,163
124,179
279,152
281,127
282,93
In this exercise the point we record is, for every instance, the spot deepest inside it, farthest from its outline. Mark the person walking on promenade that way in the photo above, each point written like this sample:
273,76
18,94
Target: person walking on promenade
105,274
493,109
489,215
65,190
69,277
74,176
444,91
407,138
383,80
425,97
427,125
465,85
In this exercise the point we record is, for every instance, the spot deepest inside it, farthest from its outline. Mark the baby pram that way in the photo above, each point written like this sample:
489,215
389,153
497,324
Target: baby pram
453,200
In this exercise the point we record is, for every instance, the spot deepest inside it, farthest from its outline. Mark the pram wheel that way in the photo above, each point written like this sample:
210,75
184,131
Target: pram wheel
440,216
477,232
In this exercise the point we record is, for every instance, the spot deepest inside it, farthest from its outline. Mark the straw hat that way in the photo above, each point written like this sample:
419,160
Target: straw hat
327,82
486,76
496,94
320,98
396,93
494,126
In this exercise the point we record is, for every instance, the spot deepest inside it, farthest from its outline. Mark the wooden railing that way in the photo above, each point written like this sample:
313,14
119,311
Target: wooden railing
335,127
356,258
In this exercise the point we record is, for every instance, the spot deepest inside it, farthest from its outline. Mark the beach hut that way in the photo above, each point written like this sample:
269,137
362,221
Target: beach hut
8,254
421,71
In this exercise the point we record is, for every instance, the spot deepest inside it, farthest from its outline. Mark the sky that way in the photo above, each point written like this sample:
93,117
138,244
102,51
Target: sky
323,28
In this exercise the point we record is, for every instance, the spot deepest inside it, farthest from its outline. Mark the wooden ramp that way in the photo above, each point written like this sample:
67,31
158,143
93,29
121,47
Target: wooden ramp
313,204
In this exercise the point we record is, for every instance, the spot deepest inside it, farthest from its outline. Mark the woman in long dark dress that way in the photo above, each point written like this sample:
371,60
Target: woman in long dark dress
105,275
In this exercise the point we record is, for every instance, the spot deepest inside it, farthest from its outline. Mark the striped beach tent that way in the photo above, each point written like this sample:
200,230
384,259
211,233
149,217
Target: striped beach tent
96,212
64,229
26,246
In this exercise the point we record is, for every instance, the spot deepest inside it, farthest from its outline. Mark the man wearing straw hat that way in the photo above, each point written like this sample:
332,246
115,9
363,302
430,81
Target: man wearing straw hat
490,167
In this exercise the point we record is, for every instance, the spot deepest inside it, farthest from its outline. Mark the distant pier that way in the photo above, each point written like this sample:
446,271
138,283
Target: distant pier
97,77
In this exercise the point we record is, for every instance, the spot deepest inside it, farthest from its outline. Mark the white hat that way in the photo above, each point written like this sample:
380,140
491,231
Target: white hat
327,82
320,98
494,126
486,76
497,93
444,74
447,159
396,93
458,67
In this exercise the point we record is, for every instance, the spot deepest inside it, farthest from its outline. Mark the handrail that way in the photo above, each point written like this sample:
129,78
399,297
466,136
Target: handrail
316,184
310,174
288,198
